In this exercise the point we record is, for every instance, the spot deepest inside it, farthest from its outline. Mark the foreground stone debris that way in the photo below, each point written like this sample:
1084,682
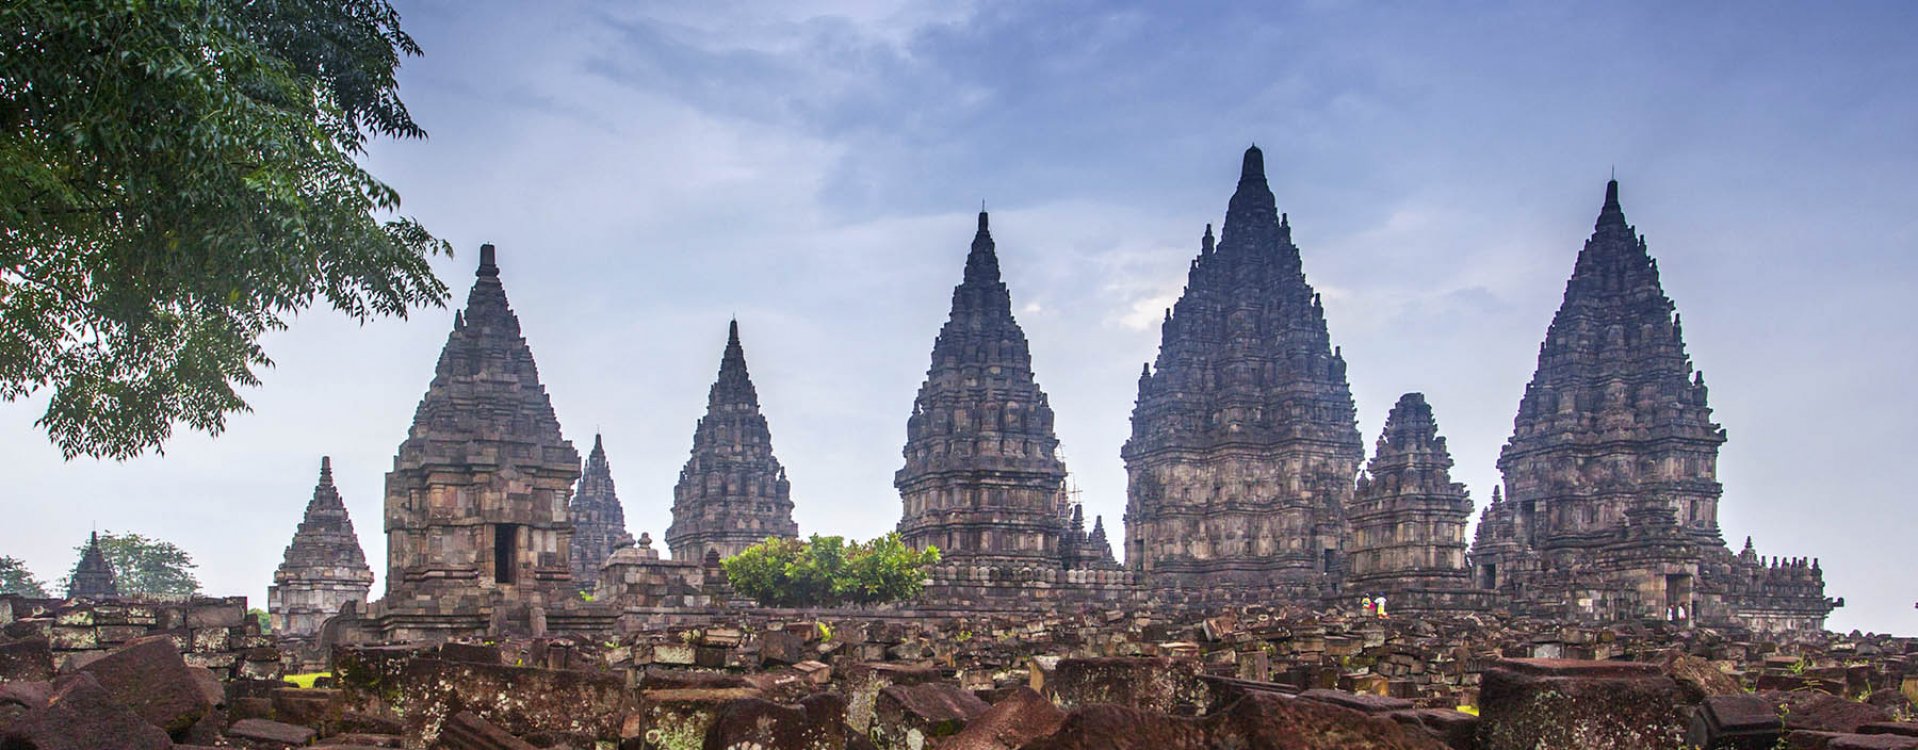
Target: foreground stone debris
901,679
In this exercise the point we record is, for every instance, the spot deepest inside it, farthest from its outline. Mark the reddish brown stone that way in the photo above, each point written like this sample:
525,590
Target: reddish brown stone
817,723
1269,721
149,676
466,731
1020,717
1819,712
82,715
266,730
928,712
27,659
1106,726
1530,703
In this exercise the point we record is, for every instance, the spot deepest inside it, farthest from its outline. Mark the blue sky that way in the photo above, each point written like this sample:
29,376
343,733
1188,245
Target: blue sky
813,167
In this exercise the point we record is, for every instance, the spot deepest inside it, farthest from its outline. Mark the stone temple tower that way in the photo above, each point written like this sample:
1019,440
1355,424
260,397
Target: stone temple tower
1245,441
323,568
1408,518
1611,495
732,493
477,531
93,578
983,478
599,522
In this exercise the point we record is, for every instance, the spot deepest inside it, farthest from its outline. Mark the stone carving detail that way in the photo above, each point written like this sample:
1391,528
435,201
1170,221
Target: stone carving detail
599,522
983,481
1245,442
93,577
477,531
323,567
1610,508
732,493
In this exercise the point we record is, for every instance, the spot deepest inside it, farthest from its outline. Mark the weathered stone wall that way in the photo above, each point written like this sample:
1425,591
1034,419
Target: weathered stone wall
215,633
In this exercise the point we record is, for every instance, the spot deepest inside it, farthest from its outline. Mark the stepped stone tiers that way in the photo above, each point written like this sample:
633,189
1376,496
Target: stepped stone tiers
1611,502
599,523
983,480
93,578
1245,442
732,493
477,532
1408,519
323,568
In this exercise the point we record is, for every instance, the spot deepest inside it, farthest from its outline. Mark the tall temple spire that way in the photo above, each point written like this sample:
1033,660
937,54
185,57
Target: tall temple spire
732,492
478,492
982,471
1611,470
93,578
1244,421
323,567
599,521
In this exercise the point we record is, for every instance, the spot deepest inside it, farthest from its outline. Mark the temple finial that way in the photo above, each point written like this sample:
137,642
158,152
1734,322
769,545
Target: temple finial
326,469
489,263
1253,168
1206,244
982,217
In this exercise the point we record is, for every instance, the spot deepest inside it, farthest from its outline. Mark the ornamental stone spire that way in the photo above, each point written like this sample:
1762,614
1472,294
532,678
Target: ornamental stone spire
93,578
323,567
1610,509
732,493
599,522
1408,517
476,503
1244,438
1613,382
983,481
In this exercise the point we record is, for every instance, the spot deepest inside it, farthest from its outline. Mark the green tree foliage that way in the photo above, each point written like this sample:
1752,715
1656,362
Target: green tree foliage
16,579
261,616
177,178
827,571
144,567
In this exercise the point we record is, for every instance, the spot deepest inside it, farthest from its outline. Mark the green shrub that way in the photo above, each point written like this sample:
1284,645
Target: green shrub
826,571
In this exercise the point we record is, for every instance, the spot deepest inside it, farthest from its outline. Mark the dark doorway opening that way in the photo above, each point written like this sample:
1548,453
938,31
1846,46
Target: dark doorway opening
1488,576
505,552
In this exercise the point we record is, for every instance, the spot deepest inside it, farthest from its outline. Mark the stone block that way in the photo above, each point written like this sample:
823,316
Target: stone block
1020,717
1736,722
27,659
267,730
221,613
680,718
467,731
521,700
149,676
1154,683
82,715
917,716
817,723
1530,703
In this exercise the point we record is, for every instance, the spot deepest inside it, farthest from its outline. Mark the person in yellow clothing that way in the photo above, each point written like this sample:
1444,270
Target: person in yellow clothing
1366,604
1379,604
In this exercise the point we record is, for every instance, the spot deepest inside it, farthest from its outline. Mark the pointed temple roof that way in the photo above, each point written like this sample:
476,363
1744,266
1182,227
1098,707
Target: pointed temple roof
486,378
484,449
599,521
1615,351
325,545
732,492
980,419
93,578
1246,341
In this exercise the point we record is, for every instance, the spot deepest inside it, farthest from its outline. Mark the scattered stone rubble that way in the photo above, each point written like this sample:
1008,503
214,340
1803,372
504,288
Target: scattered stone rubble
1248,677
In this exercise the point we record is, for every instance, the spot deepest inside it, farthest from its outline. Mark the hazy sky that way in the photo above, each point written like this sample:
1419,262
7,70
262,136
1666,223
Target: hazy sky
813,168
